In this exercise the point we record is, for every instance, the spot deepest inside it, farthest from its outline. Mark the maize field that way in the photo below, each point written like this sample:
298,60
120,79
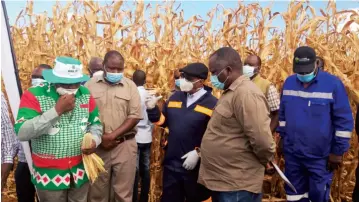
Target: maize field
159,39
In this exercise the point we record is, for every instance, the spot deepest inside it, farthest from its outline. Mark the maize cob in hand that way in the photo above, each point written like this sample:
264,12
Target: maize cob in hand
93,163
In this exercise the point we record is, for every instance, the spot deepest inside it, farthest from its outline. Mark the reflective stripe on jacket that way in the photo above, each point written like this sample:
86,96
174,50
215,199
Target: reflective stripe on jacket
316,120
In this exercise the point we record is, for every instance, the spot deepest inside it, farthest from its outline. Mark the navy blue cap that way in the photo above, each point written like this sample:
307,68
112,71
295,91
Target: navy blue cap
304,60
198,70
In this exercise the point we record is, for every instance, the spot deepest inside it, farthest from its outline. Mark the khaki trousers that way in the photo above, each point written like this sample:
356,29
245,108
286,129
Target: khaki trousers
117,184
67,195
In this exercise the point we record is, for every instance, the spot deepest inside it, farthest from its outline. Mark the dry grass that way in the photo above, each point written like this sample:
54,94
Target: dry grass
164,41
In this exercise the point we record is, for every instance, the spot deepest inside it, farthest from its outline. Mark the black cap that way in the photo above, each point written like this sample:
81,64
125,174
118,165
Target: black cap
198,70
304,60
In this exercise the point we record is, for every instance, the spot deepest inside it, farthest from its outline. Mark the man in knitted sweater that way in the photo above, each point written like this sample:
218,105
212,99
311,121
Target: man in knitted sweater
55,116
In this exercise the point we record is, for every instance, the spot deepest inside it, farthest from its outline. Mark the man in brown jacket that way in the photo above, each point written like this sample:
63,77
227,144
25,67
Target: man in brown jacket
238,142
119,104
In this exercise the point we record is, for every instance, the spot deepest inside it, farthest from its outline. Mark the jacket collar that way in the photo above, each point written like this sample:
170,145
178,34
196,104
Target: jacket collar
237,83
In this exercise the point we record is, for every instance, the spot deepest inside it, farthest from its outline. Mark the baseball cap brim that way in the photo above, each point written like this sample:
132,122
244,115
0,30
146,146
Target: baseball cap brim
300,69
50,77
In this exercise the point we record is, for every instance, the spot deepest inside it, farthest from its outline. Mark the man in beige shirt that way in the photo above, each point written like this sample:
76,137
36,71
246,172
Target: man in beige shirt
238,142
120,110
95,66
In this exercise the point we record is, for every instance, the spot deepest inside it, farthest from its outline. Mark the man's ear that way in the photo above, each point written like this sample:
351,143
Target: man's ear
229,69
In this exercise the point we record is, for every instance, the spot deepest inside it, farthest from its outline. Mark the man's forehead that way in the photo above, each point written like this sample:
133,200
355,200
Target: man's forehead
114,63
96,65
96,59
114,59
217,63
251,59
98,62
38,71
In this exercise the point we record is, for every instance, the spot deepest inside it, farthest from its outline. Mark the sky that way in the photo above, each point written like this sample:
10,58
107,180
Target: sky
190,8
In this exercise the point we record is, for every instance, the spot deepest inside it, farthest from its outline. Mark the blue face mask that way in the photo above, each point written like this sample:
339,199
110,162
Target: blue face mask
306,78
216,83
114,77
177,82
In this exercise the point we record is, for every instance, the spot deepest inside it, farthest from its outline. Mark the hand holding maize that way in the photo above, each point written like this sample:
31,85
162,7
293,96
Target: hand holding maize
93,163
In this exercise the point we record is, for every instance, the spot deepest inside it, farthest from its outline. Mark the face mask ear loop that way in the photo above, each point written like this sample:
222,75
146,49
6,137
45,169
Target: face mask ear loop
196,82
224,82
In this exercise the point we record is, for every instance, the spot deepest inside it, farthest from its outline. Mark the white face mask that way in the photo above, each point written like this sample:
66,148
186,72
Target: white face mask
35,82
185,85
64,91
98,74
248,71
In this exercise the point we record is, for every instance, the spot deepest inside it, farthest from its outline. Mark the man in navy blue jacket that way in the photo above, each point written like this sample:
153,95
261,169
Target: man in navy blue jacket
315,123
186,114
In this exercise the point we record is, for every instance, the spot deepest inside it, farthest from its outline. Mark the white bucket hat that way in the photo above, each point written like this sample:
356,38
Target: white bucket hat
66,70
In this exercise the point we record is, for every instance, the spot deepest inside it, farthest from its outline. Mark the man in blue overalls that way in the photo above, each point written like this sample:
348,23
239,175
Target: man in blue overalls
186,114
315,124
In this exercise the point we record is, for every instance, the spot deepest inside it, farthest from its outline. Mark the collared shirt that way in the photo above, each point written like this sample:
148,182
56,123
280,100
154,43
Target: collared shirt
195,96
116,102
273,98
238,142
9,142
144,127
21,154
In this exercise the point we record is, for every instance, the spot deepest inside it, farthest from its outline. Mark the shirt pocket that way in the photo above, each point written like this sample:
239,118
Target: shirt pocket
223,111
100,98
319,108
224,118
121,102
320,115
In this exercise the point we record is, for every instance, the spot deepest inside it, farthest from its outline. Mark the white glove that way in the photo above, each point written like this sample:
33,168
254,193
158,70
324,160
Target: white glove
151,101
191,160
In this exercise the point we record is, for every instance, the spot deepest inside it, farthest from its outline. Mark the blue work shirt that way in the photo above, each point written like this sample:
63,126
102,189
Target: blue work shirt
186,125
317,120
